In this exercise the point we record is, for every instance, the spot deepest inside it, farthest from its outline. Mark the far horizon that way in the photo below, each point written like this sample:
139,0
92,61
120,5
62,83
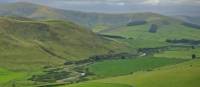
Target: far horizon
167,7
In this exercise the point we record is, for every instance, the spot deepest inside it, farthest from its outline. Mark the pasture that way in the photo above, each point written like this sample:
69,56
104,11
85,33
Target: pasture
129,66
181,75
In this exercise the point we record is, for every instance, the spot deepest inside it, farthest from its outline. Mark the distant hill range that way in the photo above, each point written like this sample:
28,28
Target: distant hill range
85,19
192,19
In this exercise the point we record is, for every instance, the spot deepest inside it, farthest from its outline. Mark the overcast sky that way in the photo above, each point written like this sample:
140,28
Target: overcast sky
162,6
119,2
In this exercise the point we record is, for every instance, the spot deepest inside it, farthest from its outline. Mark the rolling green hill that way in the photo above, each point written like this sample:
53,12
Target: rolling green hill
44,12
140,36
144,36
28,46
40,43
39,46
82,18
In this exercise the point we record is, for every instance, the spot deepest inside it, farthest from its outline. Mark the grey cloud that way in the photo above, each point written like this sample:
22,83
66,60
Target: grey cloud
113,1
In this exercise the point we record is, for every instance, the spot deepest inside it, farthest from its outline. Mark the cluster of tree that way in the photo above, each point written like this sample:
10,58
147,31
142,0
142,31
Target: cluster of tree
113,36
192,25
84,73
76,74
153,28
150,51
193,56
184,41
136,22
103,57
50,76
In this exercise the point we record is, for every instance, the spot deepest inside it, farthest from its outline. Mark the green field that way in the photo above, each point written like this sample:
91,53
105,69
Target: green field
35,44
180,75
7,77
128,66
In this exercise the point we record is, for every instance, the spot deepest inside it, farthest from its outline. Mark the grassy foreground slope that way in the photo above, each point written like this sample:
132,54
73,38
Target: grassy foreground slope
180,75
96,84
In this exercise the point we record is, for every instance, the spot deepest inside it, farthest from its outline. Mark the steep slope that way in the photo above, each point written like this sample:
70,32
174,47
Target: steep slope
29,44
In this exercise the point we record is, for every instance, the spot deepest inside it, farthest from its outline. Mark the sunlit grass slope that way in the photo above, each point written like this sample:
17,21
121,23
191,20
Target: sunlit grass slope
180,75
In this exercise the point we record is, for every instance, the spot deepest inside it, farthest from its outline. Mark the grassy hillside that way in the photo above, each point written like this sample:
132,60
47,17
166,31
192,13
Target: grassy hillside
86,19
180,75
28,46
140,36
47,42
